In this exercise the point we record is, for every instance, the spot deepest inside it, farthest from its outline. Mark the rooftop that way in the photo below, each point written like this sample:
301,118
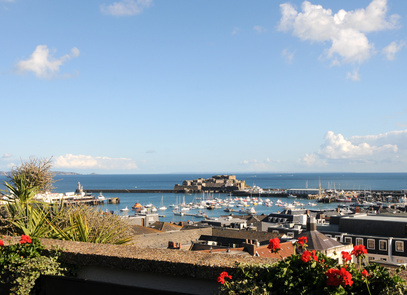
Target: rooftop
377,217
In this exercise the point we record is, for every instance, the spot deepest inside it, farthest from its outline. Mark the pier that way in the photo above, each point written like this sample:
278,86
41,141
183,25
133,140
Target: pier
93,202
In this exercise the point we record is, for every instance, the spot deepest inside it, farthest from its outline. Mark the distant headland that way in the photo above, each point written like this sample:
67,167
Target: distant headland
53,172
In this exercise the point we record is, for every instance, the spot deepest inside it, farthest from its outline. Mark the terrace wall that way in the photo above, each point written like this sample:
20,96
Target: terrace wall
159,270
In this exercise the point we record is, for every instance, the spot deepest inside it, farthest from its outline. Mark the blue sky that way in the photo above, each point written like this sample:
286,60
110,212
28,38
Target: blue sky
158,86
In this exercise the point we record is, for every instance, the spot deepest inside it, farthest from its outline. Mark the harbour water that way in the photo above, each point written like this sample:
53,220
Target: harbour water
348,181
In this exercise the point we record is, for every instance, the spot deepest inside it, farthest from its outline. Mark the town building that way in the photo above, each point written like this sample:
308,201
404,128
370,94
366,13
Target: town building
384,236
226,221
324,244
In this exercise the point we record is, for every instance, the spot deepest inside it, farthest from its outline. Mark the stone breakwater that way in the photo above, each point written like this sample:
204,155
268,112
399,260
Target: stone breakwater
132,191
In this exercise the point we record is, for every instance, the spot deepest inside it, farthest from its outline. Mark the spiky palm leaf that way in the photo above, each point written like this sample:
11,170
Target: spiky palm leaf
87,225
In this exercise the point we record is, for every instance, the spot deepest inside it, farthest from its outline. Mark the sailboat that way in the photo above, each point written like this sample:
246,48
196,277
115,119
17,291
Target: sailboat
178,212
162,207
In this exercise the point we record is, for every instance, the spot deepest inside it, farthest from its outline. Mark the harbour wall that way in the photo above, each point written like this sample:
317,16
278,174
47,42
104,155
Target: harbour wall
169,191
266,193
132,191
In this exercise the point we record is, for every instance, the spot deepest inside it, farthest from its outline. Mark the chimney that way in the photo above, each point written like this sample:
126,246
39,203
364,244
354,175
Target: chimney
311,224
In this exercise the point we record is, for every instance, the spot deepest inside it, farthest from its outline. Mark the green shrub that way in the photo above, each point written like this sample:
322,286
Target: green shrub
85,224
25,215
313,273
22,264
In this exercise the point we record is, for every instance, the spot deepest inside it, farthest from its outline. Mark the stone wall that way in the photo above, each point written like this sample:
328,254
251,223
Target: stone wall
164,270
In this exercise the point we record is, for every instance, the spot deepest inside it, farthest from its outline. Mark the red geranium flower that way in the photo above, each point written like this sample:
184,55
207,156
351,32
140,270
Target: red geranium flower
25,239
1,243
333,277
337,277
302,241
346,256
359,250
306,256
365,273
314,255
346,277
223,275
274,245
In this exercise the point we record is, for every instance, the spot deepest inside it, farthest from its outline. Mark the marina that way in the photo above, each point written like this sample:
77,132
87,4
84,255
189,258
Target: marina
115,193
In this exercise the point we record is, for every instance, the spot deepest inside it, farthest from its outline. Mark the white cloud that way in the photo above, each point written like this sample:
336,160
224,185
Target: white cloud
345,31
288,55
310,159
126,7
353,75
42,62
11,165
391,50
235,31
390,147
6,162
398,138
259,29
90,162
337,147
256,165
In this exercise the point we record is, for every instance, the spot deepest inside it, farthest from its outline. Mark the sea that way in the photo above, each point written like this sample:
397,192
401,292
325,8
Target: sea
338,181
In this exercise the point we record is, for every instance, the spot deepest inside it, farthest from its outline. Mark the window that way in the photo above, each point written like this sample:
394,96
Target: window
328,236
290,234
359,241
399,246
370,258
348,240
338,238
383,245
370,244
383,259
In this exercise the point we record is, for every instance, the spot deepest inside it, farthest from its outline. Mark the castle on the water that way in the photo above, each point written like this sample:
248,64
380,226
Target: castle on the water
217,184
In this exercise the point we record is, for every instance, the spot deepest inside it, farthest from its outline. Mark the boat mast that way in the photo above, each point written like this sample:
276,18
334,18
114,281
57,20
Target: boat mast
319,188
